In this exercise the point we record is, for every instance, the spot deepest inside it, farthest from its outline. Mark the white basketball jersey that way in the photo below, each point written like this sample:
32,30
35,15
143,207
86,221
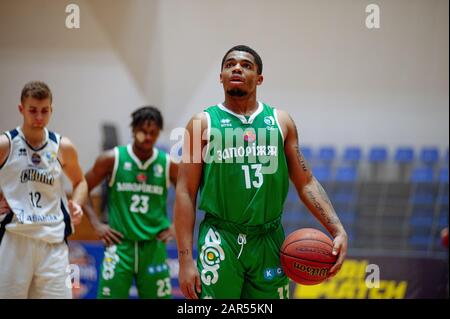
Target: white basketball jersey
32,183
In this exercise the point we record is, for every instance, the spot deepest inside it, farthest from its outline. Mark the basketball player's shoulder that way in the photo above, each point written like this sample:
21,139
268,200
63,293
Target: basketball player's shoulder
107,159
284,119
4,141
281,114
66,144
67,151
110,153
4,148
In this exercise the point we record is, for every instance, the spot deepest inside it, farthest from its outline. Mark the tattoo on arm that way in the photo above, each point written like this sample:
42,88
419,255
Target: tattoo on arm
329,217
300,156
183,252
323,194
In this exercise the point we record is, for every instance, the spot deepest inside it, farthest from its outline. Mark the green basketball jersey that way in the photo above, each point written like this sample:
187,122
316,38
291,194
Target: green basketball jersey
137,194
245,178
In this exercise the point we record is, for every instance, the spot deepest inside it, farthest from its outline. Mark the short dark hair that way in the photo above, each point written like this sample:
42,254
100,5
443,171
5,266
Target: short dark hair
146,114
246,49
36,89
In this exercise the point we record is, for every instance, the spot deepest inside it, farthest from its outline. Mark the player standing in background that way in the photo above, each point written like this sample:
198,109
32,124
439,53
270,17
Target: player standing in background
242,196
139,178
35,214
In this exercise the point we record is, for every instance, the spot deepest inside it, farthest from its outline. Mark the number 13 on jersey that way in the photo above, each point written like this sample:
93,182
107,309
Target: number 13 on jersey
255,182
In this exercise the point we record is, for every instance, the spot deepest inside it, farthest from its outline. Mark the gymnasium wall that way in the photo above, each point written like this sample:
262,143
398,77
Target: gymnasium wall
343,83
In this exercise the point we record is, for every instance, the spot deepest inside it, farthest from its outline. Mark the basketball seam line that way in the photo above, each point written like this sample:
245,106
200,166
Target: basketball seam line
321,241
322,262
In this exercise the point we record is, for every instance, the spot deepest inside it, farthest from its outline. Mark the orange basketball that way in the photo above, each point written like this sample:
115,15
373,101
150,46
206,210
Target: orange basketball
306,256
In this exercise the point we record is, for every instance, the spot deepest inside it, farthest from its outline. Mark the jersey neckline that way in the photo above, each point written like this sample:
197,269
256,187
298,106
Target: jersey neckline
242,117
22,136
138,162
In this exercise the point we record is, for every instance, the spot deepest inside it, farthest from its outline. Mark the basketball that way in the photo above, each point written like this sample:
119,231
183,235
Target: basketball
306,256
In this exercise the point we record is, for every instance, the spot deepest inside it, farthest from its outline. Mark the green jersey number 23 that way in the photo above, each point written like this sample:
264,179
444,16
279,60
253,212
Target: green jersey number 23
139,204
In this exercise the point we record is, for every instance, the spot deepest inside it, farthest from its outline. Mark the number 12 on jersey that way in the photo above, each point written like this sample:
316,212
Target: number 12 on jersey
248,180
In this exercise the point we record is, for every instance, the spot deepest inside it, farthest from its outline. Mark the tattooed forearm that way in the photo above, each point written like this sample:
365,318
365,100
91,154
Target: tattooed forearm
183,252
323,194
301,159
300,156
327,217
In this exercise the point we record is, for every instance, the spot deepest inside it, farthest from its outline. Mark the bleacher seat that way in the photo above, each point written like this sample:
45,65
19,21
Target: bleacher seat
422,175
378,154
344,192
346,174
404,158
352,155
322,174
443,175
443,220
404,155
327,154
429,155
420,241
421,221
307,153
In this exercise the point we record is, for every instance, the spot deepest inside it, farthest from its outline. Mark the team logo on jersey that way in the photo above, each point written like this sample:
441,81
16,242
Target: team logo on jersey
249,136
36,158
51,156
225,123
141,178
127,166
22,152
270,122
158,170
210,257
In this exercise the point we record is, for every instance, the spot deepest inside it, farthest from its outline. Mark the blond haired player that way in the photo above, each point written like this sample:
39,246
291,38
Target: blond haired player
36,217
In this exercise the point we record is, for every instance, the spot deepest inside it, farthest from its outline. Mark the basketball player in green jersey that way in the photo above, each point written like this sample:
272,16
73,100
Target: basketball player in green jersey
139,177
242,191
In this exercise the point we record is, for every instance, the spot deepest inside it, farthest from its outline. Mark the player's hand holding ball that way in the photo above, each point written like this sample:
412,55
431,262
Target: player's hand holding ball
309,257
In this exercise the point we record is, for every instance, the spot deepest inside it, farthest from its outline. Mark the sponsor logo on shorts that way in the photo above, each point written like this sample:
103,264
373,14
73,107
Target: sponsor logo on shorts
156,269
109,262
106,291
271,273
211,255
